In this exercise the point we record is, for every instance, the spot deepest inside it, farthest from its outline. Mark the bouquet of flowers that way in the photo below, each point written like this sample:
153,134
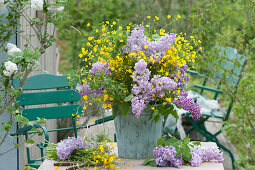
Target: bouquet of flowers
138,67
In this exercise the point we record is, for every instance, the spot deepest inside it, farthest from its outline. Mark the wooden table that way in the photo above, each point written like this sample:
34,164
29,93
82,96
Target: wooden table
136,163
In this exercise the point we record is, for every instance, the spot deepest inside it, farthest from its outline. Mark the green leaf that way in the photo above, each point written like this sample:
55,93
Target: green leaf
178,151
155,113
155,37
186,153
114,110
161,142
146,161
196,143
124,108
174,113
150,162
17,93
186,140
153,163
9,109
21,119
129,97
157,117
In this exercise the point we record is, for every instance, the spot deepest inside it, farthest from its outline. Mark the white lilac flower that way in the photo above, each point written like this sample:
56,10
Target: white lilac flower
12,50
10,68
10,45
7,73
37,4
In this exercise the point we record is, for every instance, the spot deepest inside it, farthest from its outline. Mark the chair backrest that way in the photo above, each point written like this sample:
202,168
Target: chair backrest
62,94
232,65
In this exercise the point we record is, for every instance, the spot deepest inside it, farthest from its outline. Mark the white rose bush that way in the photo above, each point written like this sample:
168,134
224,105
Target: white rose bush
20,63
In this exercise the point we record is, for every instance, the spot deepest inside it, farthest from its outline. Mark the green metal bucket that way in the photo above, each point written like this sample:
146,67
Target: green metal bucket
137,137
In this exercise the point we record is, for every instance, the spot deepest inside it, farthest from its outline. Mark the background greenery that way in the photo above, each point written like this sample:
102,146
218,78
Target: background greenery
214,22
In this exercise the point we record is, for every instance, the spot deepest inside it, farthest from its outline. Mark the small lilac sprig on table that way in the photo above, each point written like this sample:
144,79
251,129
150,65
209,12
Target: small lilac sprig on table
175,153
82,152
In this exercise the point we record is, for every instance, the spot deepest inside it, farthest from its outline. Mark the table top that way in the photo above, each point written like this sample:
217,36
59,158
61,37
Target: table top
136,163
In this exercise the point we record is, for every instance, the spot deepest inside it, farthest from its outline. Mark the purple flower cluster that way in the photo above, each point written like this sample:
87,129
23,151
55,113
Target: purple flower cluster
156,49
67,146
166,156
145,90
86,90
188,104
99,67
204,155
183,78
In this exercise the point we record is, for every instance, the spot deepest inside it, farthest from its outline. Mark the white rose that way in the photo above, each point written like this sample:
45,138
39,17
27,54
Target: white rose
37,4
10,45
7,73
10,68
13,52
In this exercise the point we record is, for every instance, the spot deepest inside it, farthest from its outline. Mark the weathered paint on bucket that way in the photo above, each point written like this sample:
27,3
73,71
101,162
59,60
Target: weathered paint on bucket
137,137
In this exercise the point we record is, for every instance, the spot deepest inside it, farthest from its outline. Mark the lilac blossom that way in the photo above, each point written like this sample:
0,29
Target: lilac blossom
145,89
156,49
196,156
166,156
67,146
99,67
86,90
188,104
210,153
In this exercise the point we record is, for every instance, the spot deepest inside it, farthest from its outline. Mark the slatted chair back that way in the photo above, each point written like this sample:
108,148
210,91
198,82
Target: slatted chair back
44,89
232,66
62,95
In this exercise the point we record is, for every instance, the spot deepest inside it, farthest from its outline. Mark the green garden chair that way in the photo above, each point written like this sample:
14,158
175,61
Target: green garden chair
61,94
232,68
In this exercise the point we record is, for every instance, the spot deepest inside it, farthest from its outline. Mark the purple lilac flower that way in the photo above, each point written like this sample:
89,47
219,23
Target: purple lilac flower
137,40
182,77
188,104
196,156
67,146
166,156
99,67
140,67
86,90
146,89
210,153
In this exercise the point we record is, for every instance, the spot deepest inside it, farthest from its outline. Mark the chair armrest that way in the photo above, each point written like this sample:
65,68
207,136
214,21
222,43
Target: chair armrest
24,130
193,72
207,88
105,119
